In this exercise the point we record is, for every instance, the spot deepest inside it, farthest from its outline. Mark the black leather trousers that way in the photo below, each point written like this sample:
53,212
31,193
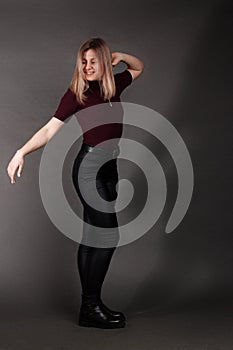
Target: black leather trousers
100,227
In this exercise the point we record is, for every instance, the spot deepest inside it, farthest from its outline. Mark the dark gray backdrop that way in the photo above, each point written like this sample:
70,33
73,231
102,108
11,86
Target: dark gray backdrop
186,48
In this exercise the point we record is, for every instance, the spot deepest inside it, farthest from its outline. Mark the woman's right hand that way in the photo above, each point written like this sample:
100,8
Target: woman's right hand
16,162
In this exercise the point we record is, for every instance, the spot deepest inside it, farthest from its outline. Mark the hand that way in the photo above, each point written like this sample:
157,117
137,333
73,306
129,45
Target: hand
16,162
116,58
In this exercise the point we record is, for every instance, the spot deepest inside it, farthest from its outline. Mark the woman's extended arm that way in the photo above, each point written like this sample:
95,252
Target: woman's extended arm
39,139
135,65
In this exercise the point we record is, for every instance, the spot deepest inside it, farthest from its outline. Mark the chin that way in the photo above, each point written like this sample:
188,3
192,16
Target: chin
93,77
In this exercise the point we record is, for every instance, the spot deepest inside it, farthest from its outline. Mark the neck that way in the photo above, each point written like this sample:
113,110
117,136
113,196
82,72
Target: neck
94,84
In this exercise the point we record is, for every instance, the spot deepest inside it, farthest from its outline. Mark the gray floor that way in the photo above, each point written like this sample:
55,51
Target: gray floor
199,327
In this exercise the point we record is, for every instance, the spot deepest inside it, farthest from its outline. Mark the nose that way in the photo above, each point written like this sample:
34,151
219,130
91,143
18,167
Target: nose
88,65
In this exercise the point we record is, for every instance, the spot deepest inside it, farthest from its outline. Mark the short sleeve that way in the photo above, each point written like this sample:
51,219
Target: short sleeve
123,80
68,106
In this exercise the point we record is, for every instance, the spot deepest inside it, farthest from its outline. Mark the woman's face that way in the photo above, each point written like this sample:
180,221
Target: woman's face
92,67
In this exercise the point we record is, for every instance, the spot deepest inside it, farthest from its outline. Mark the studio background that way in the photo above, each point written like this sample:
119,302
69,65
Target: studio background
187,50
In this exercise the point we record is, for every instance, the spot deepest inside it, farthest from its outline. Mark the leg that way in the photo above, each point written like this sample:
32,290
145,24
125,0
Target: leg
93,262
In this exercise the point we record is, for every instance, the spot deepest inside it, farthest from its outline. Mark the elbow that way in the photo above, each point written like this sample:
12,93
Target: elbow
142,66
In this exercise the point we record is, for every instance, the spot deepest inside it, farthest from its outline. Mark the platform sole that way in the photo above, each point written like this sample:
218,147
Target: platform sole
89,323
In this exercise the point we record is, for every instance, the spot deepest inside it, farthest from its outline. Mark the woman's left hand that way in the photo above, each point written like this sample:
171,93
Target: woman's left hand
116,58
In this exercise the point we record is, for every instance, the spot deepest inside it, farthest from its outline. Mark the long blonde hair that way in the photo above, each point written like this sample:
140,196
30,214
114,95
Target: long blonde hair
79,84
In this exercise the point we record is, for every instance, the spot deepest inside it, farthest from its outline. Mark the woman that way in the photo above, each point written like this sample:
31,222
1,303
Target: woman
93,83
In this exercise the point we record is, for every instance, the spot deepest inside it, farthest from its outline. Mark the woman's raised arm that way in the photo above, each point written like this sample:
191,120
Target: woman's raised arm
135,65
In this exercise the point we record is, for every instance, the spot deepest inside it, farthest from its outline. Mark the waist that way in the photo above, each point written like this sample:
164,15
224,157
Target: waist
113,151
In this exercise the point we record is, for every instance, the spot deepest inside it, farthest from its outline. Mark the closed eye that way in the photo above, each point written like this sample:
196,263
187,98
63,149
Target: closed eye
91,62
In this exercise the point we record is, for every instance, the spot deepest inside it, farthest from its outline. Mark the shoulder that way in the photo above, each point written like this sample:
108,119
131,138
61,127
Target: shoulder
124,75
135,73
122,80
68,105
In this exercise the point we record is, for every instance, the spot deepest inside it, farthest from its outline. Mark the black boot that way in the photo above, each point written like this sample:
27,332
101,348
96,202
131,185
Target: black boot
116,314
93,314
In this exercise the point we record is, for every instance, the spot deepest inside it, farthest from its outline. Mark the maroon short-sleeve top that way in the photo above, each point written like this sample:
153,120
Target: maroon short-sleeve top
106,114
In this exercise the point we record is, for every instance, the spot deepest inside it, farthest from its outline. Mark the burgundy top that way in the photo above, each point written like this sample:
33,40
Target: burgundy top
99,123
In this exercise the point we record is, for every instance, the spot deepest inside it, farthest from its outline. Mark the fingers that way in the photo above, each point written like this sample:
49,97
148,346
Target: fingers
18,174
16,164
11,173
19,171
12,178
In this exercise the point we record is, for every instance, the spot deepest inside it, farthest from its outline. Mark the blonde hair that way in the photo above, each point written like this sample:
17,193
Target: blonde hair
79,84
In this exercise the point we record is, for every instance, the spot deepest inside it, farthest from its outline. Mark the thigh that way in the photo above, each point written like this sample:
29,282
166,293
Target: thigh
98,217
107,179
92,178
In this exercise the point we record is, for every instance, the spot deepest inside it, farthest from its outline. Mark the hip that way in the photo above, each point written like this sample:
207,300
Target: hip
96,162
